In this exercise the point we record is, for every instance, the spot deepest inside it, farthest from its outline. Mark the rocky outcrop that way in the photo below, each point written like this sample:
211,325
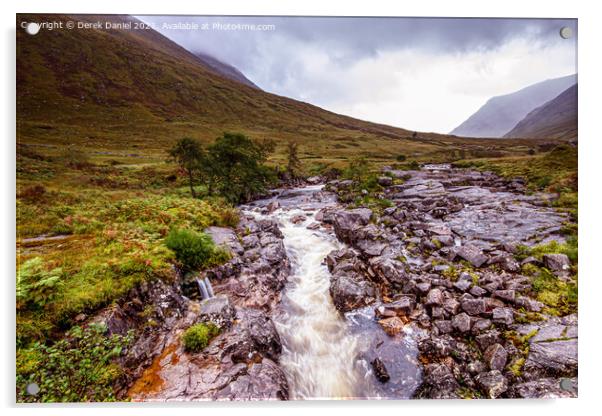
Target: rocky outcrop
349,287
449,243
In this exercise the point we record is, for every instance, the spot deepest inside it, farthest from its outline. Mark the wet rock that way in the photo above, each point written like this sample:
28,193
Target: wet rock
296,219
461,322
380,371
313,226
262,381
495,356
348,222
389,269
218,310
557,263
392,326
349,287
313,180
471,254
400,307
492,383
225,237
272,206
504,316
250,241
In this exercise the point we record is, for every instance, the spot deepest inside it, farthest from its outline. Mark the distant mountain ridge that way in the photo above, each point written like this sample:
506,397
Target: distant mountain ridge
555,119
501,114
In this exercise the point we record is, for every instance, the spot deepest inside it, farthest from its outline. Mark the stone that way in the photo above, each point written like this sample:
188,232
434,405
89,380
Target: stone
461,322
400,307
273,206
348,222
440,382
444,326
495,356
477,291
451,305
392,326
218,310
544,388
492,383
488,338
504,316
529,304
552,358
389,269
434,297
313,226
473,306
385,181
463,285
296,219
380,371
480,325
423,287
557,263
472,254
507,295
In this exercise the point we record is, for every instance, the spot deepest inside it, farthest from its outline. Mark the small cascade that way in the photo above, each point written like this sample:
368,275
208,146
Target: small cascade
203,289
209,287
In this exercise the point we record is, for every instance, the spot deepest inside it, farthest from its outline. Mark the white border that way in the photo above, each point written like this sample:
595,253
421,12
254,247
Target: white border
590,232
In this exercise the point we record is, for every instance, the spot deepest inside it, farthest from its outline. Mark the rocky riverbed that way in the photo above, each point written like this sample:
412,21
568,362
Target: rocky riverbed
424,299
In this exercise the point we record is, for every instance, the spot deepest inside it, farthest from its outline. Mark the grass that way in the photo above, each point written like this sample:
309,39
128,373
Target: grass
113,236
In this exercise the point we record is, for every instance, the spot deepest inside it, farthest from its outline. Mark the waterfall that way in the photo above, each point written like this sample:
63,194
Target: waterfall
203,289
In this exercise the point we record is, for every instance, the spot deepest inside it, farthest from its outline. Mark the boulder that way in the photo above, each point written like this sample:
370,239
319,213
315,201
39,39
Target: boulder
557,263
434,297
461,322
471,254
493,383
380,371
544,388
504,316
218,310
392,326
473,306
495,356
385,181
348,222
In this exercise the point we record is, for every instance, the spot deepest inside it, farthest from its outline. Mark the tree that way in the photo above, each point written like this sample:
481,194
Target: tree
358,169
189,154
293,166
237,166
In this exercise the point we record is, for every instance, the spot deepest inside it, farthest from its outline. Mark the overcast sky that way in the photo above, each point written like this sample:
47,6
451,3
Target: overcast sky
420,74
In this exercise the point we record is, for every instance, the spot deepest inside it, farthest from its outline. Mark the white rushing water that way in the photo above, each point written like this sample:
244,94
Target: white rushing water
319,353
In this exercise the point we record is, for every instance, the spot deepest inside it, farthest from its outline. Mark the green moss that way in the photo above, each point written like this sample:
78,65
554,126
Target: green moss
198,336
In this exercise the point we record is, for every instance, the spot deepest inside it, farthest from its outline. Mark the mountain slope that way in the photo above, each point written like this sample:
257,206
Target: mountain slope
555,119
224,69
500,114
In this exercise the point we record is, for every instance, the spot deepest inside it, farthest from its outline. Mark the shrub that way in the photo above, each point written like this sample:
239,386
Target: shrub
193,250
198,336
33,193
77,368
401,158
36,286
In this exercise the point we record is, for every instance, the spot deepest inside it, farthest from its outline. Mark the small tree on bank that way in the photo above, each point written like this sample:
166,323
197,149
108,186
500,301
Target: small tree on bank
188,154
293,166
